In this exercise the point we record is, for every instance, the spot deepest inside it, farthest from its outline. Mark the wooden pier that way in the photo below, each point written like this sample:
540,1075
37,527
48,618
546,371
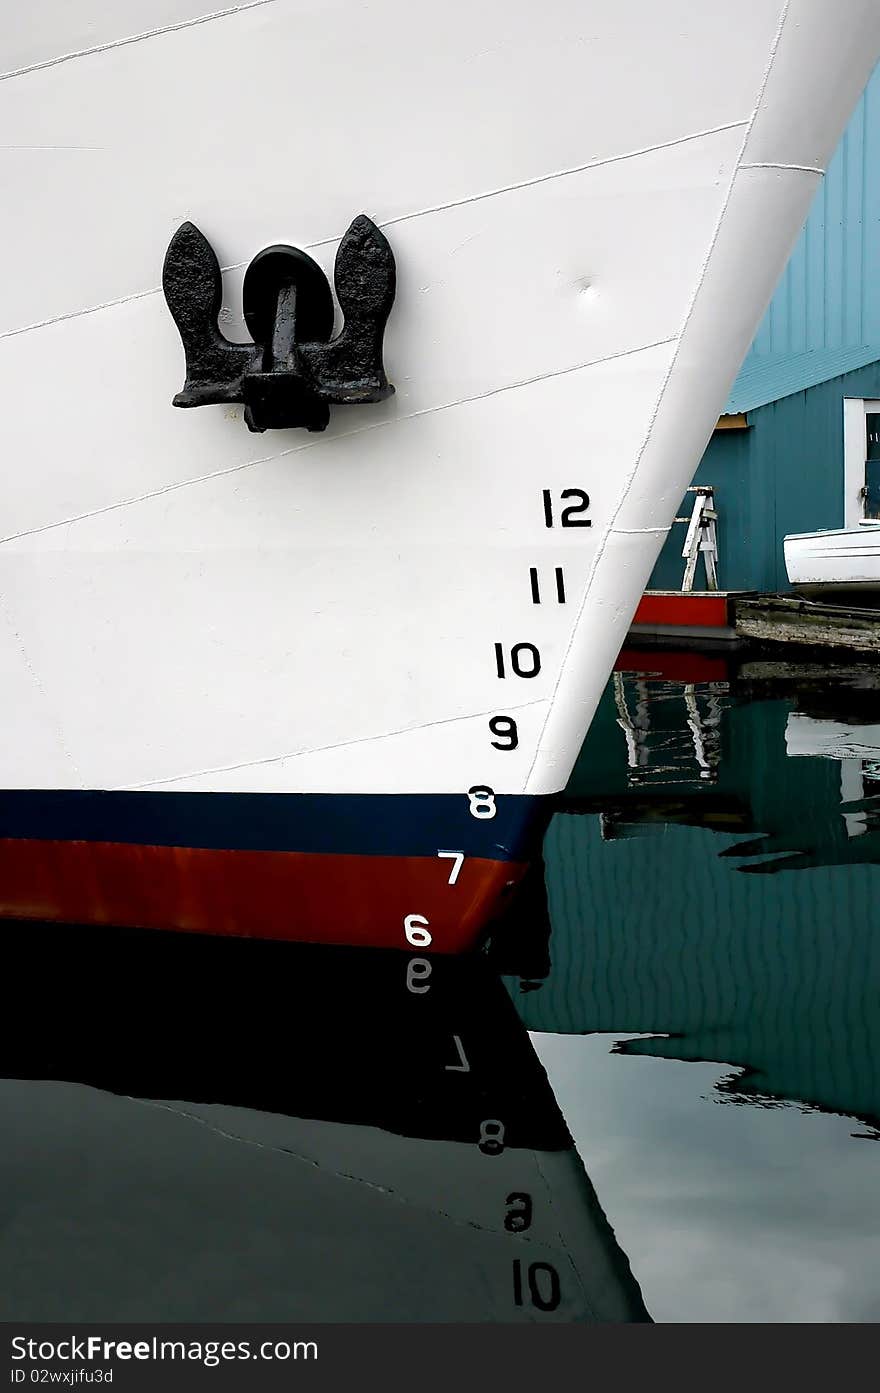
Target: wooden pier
807,623
746,618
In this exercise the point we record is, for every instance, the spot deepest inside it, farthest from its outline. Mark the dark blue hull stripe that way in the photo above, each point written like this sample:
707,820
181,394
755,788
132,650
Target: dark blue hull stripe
367,824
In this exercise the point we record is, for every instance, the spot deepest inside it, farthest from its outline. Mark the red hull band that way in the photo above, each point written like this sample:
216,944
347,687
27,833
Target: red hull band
303,897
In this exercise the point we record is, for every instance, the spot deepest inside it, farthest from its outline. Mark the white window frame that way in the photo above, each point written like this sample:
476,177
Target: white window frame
855,448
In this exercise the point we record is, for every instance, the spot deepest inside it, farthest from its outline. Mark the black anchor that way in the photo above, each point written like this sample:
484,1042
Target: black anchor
293,370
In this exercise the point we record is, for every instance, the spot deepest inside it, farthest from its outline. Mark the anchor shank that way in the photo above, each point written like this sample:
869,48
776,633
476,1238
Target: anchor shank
281,348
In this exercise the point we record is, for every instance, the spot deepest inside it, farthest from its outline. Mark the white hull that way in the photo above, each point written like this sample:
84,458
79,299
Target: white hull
845,559
589,206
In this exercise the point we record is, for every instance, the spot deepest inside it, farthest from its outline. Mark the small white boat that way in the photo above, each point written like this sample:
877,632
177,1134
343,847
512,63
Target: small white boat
844,559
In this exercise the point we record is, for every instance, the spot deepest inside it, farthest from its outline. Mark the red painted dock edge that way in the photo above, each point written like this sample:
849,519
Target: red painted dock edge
694,609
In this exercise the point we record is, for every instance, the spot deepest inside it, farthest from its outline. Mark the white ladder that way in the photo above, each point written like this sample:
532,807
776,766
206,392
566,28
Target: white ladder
701,538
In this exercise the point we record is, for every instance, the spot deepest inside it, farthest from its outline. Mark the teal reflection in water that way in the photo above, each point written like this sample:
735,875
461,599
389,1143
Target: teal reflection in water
714,880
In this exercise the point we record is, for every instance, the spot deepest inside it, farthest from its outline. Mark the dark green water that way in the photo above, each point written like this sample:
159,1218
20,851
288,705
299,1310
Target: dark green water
220,1131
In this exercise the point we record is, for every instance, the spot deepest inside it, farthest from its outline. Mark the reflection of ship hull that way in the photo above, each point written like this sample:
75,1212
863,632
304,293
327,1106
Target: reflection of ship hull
349,1149
582,261
341,1223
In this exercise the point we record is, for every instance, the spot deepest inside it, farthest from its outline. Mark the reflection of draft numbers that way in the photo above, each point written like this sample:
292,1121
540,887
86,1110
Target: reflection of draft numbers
519,1212
539,1285
491,1141
418,970
462,1065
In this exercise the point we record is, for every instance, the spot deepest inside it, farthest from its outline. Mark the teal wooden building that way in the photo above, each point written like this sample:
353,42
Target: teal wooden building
792,451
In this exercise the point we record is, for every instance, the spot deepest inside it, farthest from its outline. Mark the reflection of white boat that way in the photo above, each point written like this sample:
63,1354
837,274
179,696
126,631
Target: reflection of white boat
845,559
248,681
856,746
805,735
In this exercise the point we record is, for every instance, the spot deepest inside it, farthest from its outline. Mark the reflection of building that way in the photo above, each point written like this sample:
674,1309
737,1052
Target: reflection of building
659,750
795,450
364,1136
709,938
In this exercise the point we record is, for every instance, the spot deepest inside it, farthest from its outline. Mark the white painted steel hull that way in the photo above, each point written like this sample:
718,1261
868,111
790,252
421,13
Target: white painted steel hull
844,559
589,206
